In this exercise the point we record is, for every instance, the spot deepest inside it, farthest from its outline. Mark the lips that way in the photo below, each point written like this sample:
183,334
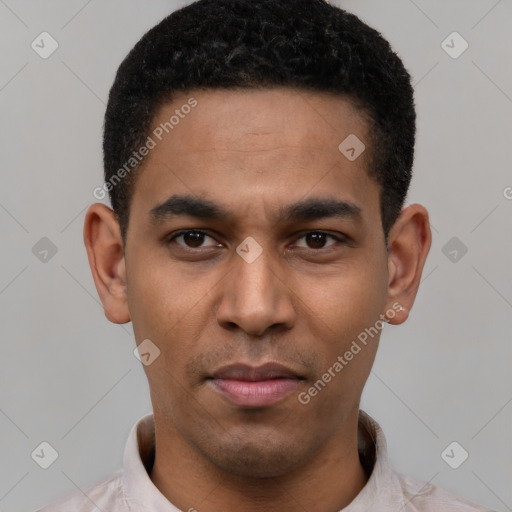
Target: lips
251,387
253,374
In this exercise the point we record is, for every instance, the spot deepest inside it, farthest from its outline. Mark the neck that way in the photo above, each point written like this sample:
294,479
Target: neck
328,482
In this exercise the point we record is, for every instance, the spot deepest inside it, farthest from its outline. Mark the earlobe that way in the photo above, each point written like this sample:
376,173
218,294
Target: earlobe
104,245
409,241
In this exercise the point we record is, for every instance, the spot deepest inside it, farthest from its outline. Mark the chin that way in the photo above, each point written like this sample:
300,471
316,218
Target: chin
258,462
260,458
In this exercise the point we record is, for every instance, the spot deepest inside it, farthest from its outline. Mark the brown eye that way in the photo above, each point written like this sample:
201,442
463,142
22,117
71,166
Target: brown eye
193,239
317,240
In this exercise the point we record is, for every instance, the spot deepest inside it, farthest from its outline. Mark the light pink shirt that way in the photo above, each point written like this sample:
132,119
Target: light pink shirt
132,490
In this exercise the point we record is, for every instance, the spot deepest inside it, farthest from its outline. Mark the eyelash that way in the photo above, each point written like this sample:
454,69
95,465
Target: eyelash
171,239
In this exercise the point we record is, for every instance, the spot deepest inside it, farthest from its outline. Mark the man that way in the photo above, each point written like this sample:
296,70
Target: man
257,155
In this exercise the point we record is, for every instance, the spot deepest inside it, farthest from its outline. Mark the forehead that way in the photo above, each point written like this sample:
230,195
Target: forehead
237,117
273,144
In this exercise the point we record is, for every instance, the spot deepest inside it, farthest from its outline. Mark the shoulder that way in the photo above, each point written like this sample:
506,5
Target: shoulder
423,496
105,494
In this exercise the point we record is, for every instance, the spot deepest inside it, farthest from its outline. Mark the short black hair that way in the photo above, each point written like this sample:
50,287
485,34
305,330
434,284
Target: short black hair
225,44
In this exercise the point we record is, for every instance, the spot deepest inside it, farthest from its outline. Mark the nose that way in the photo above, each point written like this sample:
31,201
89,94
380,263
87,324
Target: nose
256,297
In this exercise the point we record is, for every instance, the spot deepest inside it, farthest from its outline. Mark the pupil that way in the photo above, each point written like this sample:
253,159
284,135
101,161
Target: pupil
194,238
316,240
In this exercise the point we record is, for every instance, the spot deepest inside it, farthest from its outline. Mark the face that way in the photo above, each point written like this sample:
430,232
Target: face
252,241
265,159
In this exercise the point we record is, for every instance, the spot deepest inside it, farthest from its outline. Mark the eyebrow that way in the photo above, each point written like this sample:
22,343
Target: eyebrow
305,210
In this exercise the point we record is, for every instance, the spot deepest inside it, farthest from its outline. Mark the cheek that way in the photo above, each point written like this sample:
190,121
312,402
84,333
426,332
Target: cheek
344,314
171,309
346,300
159,296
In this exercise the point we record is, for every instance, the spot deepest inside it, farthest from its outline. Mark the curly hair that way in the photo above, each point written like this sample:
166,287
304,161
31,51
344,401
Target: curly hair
303,44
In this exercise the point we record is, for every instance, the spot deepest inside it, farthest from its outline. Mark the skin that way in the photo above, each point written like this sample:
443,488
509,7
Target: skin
300,303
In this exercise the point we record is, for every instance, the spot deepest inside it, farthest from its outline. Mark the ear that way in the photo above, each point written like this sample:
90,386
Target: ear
409,241
102,238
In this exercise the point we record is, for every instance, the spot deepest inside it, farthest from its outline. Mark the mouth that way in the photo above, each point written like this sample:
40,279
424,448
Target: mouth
252,387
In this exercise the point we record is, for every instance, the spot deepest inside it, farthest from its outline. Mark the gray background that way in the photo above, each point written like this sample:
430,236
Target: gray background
70,378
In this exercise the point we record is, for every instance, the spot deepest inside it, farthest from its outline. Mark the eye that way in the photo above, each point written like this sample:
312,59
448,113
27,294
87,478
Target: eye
318,240
193,239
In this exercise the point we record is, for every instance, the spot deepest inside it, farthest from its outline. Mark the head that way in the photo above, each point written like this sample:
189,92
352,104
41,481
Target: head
281,136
